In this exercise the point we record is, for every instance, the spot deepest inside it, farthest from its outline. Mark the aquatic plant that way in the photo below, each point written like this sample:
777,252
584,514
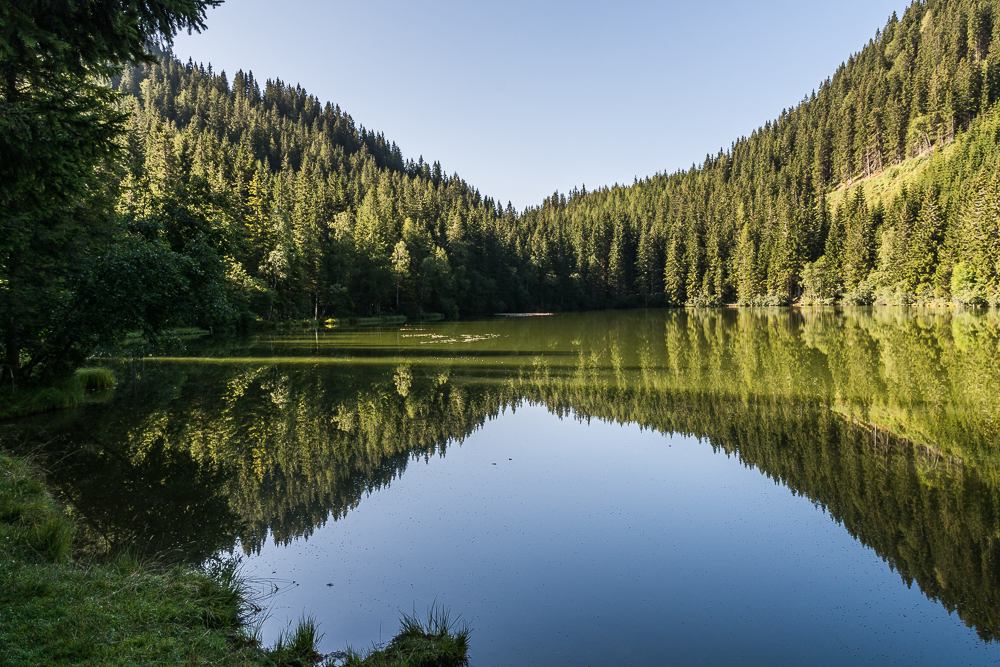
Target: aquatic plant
435,641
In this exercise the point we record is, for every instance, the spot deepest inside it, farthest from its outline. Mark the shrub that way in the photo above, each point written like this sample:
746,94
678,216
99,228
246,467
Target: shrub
705,301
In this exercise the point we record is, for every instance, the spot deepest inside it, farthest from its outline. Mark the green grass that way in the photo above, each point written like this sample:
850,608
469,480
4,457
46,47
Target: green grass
886,185
438,641
298,646
95,378
55,610
32,526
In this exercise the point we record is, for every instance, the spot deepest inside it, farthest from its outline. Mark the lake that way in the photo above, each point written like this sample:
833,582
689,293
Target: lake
747,487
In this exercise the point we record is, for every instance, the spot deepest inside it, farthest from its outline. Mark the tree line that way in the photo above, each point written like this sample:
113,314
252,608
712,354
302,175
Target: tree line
767,221
311,214
183,196
326,218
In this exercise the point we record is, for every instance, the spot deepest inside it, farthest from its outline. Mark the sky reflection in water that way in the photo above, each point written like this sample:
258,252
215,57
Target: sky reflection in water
603,544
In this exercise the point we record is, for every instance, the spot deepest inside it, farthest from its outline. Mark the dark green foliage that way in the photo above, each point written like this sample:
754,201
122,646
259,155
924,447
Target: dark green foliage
316,217
54,115
59,129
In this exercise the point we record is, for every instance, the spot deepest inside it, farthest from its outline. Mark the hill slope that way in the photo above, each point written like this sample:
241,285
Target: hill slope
316,216
744,225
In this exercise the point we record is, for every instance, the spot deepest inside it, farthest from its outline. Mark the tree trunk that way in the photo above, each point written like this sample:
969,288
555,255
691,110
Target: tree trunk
12,324
12,347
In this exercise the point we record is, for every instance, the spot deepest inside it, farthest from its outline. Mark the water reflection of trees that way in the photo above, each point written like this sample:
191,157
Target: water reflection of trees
885,418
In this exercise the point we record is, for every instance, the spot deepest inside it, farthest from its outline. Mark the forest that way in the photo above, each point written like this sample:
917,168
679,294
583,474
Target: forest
222,202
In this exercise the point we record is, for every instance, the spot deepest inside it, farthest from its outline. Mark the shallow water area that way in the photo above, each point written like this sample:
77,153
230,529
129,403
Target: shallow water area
643,487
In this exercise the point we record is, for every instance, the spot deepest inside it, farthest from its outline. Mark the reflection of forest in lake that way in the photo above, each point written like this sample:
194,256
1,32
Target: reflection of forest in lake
886,418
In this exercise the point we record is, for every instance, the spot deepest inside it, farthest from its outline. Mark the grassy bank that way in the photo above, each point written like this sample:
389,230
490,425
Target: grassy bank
57,609
61,607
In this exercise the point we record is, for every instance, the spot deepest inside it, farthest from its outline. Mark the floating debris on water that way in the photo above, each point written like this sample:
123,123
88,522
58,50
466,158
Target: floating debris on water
463,338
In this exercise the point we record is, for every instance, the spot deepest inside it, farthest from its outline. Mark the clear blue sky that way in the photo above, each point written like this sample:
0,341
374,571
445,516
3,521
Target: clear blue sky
523,98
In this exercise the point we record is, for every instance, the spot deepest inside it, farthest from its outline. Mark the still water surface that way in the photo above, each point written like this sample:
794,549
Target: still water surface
652,487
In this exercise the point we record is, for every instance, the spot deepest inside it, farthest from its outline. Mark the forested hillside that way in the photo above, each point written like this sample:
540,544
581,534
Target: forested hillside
313,214
317,216
753,225
228,200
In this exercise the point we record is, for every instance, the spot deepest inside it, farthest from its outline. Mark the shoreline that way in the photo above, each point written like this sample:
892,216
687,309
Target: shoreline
66,604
